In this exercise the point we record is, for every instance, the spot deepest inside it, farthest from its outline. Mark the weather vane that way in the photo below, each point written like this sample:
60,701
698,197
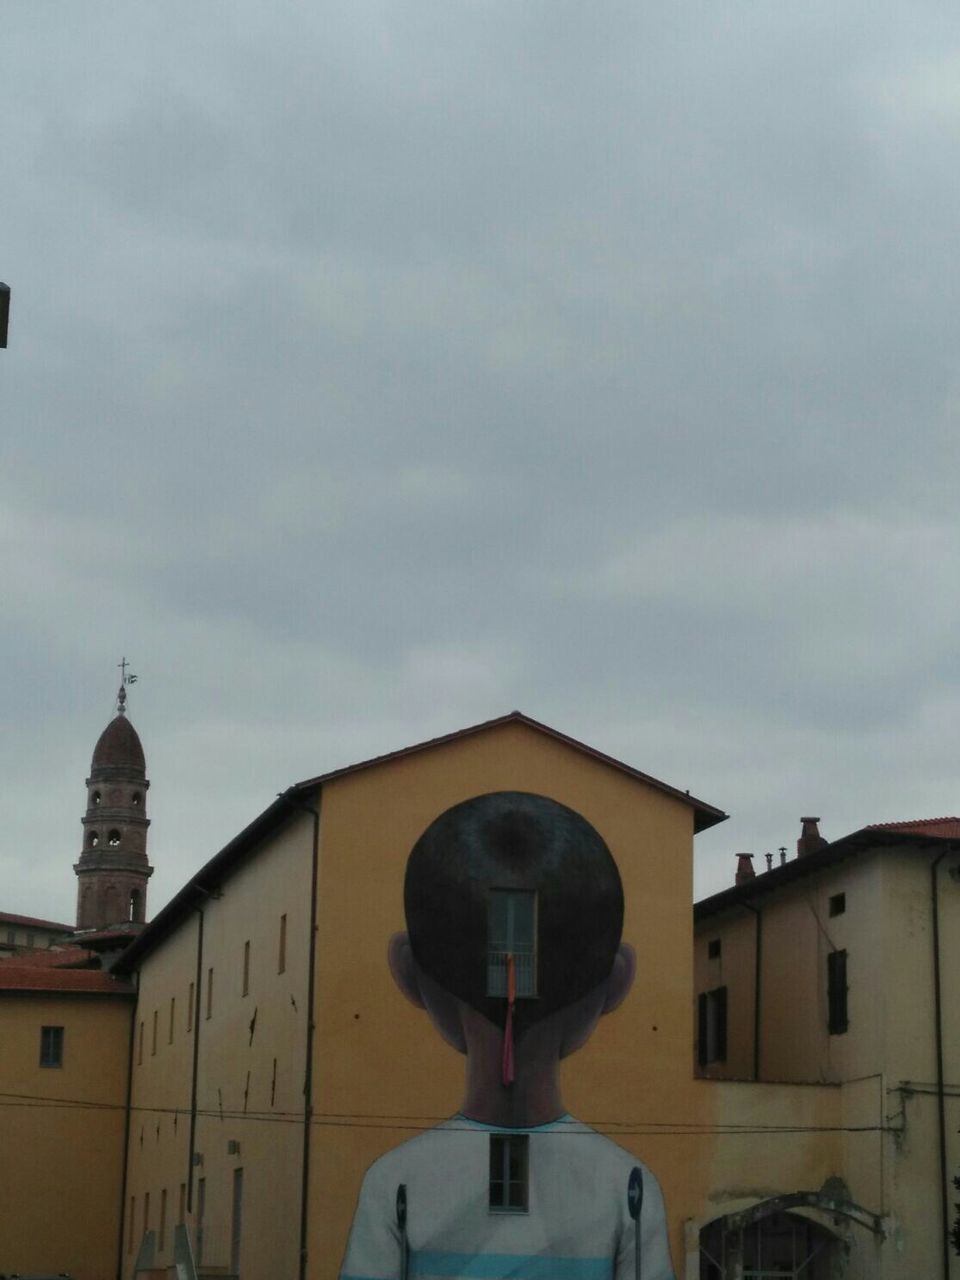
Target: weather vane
124,681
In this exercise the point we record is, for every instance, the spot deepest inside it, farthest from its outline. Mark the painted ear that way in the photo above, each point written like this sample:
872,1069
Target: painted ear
404,970
621,977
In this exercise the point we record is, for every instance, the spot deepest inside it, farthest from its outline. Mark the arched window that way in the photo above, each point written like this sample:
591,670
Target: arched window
136,912
780,1245
113,839
136,799
95,799
93,839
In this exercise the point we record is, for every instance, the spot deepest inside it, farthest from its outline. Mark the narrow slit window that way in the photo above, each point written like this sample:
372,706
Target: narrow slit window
140,1046
714,949
132,1225
153,1039
837,1022
509,1172
246,968
282,949
173,1014
190,1000
838,904
210,992
512,931
712,1026
162,1225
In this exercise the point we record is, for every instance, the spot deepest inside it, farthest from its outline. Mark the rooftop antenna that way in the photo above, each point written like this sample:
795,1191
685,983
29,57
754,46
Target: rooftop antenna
124,681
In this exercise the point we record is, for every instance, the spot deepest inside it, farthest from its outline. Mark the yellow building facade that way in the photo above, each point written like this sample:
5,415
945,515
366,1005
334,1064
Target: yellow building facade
64,1038
837,972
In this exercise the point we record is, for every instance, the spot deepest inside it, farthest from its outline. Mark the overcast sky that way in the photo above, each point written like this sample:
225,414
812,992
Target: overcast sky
377,368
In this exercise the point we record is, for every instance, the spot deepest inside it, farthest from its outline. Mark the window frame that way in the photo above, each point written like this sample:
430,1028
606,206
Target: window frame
51,1046
523,949
503,1147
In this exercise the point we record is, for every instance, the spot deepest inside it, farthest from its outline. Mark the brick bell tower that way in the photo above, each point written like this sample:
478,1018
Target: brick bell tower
113,870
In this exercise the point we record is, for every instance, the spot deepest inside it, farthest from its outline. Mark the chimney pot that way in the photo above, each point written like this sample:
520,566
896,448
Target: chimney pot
810,838
745,869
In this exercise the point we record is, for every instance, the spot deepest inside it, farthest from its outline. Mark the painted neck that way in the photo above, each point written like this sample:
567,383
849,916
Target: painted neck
533,1098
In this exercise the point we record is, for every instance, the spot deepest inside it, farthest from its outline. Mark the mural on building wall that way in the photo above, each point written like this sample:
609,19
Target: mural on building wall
514,912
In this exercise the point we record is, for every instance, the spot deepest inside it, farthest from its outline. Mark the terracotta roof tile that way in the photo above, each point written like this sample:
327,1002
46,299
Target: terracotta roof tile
49,958
8,917
947,828
39,978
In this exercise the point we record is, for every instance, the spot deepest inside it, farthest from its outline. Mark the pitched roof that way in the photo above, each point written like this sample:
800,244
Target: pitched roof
705,815
30,922
943,828
39,978
212,873
926,835
49,958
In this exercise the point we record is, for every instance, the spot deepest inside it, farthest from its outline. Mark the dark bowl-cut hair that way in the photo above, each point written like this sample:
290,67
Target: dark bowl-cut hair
516,841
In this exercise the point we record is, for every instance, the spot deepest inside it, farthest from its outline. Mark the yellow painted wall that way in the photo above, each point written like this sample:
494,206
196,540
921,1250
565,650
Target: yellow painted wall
236,1071
382,1072
60,1197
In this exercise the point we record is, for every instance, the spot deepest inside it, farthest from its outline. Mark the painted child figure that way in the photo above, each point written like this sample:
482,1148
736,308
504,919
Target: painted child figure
514,912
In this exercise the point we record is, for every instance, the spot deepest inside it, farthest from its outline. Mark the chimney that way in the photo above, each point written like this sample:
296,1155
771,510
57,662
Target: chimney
810,838
783,854
745,869
769,858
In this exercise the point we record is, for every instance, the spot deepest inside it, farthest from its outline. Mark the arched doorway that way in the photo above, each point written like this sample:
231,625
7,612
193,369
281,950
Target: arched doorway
776,1246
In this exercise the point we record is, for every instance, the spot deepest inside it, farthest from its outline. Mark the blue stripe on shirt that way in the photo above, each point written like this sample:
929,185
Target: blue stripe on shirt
502,1266
508,1266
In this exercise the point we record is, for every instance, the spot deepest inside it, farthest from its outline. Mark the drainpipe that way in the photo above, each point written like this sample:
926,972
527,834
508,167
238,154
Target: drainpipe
308,1066
757,965
938,1034
196,1058
126,1142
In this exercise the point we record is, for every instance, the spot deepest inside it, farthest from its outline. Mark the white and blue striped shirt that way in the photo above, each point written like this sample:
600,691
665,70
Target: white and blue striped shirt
576,1226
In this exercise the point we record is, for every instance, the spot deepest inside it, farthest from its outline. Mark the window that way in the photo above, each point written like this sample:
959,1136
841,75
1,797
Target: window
838,904
153,1041
246,969
136,799
95,799
713,949
93,839
146,1212
511,931
31,938
837,993
173,1006
210,992
51,1046
132,1228
113,839
140,1046
133,911
182,1210
712,1026
162,1225
282,954
509,1162
11,936
190,1009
